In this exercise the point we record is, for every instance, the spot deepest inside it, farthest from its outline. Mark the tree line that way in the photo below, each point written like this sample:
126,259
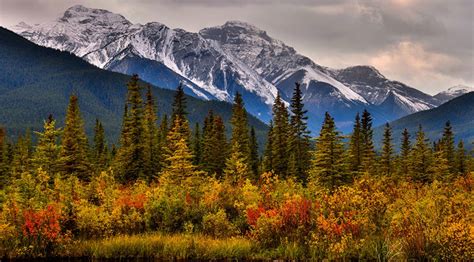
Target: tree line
149,147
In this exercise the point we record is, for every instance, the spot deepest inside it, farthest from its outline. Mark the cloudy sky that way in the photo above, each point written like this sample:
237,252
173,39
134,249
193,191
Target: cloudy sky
428,44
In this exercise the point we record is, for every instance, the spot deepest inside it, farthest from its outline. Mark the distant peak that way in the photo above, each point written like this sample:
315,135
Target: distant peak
82,14
365,69
241,24
461,88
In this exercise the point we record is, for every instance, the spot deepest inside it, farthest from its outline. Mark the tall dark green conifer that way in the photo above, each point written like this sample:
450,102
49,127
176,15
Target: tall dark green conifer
280,134
129,160
367,144
355,147
299,144
73,156
100,151
386,159
461,160
254,159
328,168
405,149
240,130
448,147
214,145
151,138
179,104
421,159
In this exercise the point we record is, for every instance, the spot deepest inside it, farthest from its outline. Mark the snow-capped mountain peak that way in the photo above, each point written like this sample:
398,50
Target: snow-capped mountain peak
453,92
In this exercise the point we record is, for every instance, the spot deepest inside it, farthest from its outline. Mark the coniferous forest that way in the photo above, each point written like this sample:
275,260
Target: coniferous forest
169,189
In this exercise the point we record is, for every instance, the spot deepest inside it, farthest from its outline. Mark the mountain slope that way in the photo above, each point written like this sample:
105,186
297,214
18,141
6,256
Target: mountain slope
218,61
458,111
37,81
453,92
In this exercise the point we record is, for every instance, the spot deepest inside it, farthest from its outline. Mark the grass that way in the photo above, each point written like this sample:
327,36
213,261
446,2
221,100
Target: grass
161,246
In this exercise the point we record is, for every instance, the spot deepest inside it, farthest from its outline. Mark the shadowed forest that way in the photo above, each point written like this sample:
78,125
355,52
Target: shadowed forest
171,190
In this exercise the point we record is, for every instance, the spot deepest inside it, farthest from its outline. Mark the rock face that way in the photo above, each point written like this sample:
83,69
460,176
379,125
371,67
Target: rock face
219,61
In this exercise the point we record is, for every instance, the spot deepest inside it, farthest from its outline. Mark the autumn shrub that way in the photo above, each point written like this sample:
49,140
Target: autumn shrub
218,225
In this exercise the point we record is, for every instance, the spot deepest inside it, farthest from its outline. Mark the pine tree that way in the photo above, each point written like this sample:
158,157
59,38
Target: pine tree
367,143
214,145
254,159
197,146
328,168
300,144
461,160
280,133
268,154
448,147
387,151
236,168
47,150
129,160
405,153
73,156
355,147
100,151
439,169
151,138
179,104
421,159
240,140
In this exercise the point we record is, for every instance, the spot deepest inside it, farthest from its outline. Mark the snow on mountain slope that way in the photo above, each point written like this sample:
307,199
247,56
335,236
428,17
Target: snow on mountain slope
105,39
453,92
219,61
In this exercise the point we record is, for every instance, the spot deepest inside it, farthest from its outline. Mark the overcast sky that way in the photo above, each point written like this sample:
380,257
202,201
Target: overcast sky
428,44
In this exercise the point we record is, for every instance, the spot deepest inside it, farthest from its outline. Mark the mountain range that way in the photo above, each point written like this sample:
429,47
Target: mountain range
37,81
216,62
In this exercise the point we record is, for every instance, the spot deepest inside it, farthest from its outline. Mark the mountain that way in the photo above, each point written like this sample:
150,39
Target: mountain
218,61
37,81
453,92
458,111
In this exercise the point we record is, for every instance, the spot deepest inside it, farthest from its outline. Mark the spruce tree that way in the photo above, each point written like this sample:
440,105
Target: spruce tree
214,145
299,144
129,160
236,167
100,150
328,168
197,146
386,158
151,138
439,169
421,159
47,150
240,140
355,147
254,159
404,159
179,104
22,154
448,147
367,144
461,160
268,154
73,155
280,134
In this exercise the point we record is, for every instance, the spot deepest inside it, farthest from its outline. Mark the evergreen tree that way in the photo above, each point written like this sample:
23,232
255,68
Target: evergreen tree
280,134
197,146
179,104
448,147
328,167
129,160
421,159
100,152
163,130
299,144
405,153
439,169
236,168
214,145
22,154
461,160
240,140
355,147
73,155
179,131
47,150
254,159
151,138
387,151
4,161
367,143
268,154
